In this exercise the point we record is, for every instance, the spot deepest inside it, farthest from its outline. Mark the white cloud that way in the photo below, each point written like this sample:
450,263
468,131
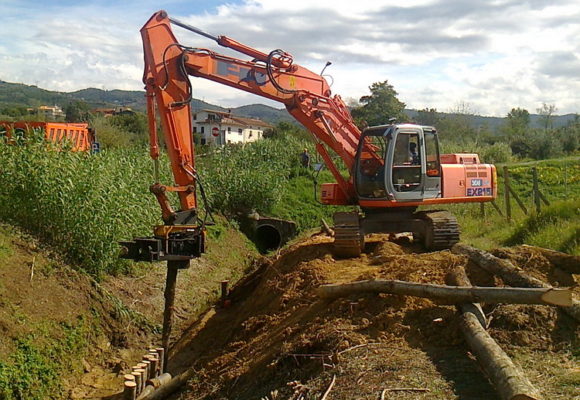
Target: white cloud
494,55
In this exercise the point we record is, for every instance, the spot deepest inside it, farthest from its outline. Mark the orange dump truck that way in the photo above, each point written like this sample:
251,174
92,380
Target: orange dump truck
78,135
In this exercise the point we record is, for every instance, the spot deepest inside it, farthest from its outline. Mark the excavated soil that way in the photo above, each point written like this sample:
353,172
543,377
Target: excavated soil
276,338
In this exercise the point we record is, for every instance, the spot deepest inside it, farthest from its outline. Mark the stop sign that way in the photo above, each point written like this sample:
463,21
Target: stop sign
215,131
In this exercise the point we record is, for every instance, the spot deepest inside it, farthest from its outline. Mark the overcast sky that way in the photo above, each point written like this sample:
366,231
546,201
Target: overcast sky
491,55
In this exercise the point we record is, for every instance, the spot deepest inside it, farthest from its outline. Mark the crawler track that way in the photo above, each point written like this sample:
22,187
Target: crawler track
442,229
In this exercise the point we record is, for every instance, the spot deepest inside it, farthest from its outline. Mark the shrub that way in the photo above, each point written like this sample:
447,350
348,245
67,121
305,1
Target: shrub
496,153
240,178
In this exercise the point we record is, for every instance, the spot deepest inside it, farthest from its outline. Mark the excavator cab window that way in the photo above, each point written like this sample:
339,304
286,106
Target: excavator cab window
370,163
432,154
407,162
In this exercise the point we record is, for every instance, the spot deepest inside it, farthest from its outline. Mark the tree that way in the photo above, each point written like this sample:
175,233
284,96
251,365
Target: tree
427,116
77,111
518,121
546,115
134,123
569,135
457,125
284,128
380,106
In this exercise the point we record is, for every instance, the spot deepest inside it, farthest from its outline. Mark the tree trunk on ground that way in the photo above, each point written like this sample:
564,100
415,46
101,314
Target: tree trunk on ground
565,262
170,387
506,377
451,294
458,277
509,273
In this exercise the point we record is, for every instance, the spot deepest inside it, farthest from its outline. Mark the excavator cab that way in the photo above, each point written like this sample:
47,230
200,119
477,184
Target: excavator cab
398,162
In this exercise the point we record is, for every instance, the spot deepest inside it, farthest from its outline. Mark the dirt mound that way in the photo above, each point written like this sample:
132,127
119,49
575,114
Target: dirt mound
278,339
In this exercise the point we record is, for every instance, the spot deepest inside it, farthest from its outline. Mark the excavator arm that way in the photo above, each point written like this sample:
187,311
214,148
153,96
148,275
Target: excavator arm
275,76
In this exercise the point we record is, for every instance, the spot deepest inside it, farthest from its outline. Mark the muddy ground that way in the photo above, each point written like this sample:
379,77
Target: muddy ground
278,340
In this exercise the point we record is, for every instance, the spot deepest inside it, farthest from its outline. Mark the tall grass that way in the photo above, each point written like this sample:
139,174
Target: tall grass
80,204
240,178
556,226
84,204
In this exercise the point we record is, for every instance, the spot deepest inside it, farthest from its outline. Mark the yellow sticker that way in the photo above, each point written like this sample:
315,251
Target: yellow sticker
292,82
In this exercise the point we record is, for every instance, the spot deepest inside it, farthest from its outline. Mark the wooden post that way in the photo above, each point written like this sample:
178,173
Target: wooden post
566,179
536,190
482,209
497,208
506,181
138,374
130,390
543,198
147,369
520,203
224,292
170,283
161,352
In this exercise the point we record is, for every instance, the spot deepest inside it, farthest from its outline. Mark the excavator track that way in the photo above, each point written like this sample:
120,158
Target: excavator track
441,231
348,238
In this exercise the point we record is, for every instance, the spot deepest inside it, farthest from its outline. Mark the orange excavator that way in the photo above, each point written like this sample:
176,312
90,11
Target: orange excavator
392,168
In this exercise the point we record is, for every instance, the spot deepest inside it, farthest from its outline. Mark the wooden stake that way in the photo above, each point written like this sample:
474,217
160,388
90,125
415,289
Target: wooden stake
138,374
32,269
129,390
518,200
543,198
493,203
161,352
506,181
170,284
536,190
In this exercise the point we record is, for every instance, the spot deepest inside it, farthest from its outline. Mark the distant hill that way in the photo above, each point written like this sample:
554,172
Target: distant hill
97,97
17,94
494,123
265,113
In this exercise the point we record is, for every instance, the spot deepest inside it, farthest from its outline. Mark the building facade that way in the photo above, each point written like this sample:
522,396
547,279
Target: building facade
219,128
51,111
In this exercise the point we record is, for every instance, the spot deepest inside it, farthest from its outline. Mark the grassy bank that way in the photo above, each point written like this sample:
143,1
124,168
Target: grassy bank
41,359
